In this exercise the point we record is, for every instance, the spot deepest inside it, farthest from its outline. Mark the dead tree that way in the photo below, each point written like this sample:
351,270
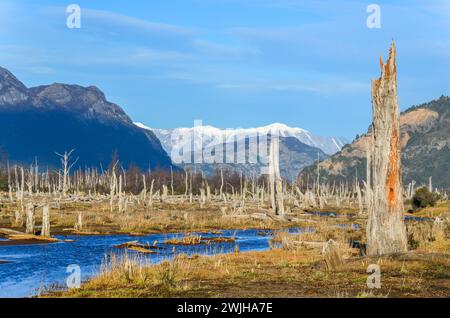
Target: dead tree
165,193
171,181
66,165
144,189
368,183
221,182
430,184
29,210
275,181
45,232
112,187
186,184
79,224
386,231
121,202
10,195
150,199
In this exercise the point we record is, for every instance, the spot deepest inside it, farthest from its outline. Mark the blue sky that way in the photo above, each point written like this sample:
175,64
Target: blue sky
232,63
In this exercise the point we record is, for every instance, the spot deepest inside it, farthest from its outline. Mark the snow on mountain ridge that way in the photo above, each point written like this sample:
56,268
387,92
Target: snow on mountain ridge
211,135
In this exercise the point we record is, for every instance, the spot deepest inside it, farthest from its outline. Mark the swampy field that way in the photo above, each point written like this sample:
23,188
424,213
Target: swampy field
179,248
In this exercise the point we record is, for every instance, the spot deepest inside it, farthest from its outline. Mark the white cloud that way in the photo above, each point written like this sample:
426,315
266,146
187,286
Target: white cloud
124,20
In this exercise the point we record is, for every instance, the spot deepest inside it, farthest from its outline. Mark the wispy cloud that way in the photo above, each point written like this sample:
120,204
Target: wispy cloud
121,20
217,49
325,86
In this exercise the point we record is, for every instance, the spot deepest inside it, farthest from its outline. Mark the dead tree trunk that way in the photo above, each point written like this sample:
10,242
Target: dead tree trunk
112,189
221,182
121,196
66,166
45,232
150,200
79,224
386,231
186,184
9,183
368,183
30,218
275,181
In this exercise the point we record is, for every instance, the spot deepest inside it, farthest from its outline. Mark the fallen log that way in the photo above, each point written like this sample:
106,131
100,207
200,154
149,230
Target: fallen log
13,235
7,232
138,247
32,237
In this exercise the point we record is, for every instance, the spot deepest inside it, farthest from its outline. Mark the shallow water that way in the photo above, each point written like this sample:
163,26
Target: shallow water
34,267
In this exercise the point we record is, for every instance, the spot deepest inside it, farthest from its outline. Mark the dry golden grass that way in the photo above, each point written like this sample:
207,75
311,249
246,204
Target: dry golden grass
274,273
186,240
441,208
287,270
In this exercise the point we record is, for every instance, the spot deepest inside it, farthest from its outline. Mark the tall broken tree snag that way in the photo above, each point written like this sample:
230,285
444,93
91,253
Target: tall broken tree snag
275,181
386,232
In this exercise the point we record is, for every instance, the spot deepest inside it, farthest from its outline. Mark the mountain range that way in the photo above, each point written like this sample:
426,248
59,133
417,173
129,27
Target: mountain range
425,140
298,147
210,134
37,122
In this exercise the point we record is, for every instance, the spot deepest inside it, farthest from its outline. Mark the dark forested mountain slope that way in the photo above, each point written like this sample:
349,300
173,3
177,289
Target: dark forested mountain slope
37,122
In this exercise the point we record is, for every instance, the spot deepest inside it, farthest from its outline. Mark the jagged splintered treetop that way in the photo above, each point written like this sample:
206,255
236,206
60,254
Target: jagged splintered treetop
385,229
386,119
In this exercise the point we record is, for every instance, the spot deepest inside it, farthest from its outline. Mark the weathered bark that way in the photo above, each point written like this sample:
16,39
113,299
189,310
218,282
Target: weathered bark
144,189
18,217
221,182
150,200
165,193
30,218
45,232
171,181
121,197
368,183
275,181
386,231
10,195
202,198
112,187
79,223
186,184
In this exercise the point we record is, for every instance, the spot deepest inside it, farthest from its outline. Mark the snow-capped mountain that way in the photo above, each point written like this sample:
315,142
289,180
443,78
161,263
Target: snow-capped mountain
210,135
